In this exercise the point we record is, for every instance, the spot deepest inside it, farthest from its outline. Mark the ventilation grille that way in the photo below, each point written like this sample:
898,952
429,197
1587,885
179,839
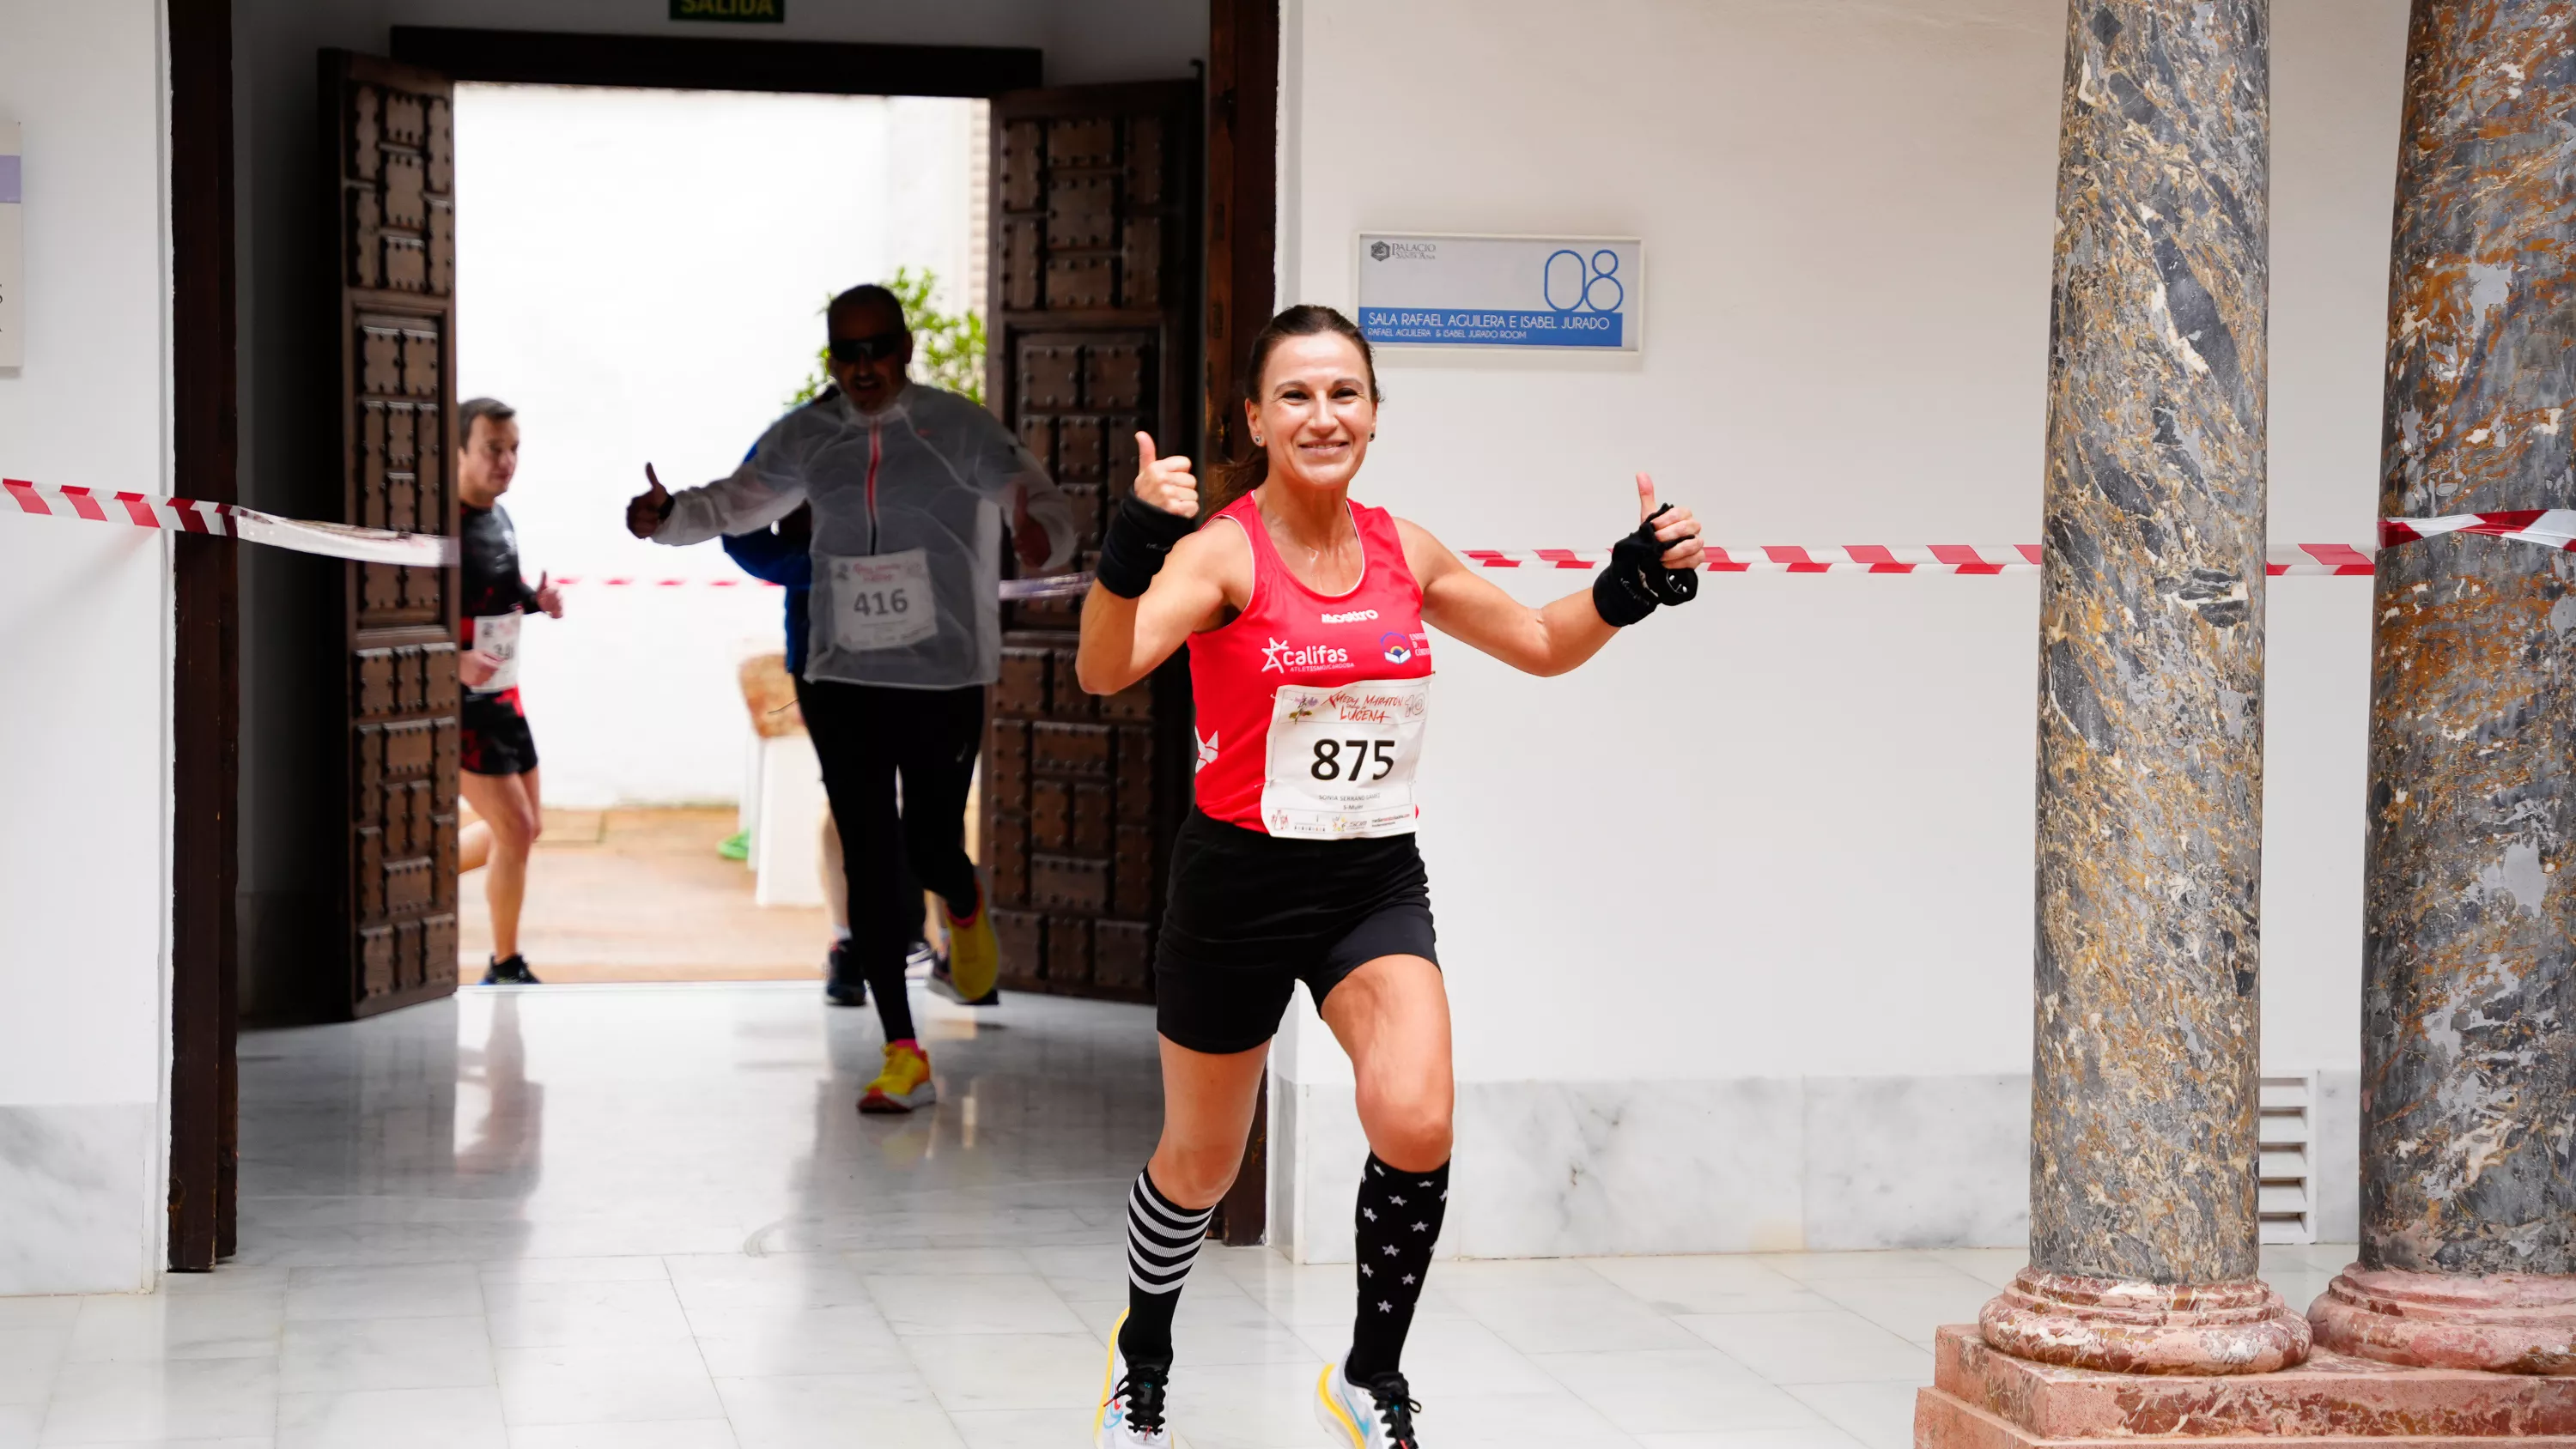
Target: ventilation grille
2288,1138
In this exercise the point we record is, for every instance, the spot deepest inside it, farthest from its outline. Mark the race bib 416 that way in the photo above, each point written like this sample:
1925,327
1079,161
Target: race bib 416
881,602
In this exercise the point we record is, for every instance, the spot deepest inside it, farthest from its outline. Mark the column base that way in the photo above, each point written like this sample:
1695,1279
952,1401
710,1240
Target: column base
2511,1323
2145,1328
1984,1399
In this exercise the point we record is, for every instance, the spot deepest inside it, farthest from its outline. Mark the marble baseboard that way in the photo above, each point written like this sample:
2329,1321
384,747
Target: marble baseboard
1284,1096
1916,1162
77,1208
1551,1169
1816,1164
2337,1182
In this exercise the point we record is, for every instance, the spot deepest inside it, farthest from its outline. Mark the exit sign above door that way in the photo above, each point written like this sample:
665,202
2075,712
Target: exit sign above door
739,12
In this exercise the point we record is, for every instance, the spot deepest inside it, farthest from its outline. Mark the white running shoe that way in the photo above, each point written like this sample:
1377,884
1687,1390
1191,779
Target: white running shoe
1131,1403
1376,1415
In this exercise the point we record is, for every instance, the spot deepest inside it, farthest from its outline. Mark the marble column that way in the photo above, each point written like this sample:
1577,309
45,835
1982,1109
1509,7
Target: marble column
2469,965
2146,1063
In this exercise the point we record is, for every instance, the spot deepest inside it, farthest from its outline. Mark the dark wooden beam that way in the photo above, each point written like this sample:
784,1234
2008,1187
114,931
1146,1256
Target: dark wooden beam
204,1001
1242,243
1243,204
698,63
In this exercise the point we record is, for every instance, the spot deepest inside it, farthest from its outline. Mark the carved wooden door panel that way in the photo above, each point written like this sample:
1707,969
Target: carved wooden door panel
1094,288
392,229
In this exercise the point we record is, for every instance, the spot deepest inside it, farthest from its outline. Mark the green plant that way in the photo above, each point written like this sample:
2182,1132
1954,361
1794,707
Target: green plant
947,347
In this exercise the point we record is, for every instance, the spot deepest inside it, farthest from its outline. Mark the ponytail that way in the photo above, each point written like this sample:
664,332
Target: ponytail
1228,481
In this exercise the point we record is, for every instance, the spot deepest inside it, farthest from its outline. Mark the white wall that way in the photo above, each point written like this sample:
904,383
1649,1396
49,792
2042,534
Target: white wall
85,614
641,274
1737,921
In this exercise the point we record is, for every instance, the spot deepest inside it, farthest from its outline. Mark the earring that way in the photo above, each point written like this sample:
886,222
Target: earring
1256,441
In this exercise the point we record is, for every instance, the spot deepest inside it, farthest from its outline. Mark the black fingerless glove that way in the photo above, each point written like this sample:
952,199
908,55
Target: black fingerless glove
1132,551
1636,580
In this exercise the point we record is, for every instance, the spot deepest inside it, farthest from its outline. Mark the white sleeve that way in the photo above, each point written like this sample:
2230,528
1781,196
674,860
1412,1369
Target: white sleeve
1022,476
738,504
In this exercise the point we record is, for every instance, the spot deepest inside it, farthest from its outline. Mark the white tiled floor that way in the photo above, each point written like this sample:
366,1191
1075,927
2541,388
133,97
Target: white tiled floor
647,1218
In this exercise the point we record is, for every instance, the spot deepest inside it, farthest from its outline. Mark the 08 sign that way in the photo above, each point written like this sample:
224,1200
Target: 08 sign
1592,283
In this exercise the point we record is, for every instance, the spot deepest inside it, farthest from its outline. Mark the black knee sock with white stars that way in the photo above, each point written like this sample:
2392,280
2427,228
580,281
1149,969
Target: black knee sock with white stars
1399,1221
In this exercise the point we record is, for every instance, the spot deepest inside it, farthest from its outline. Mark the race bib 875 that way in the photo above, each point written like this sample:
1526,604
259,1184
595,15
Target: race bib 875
1341,761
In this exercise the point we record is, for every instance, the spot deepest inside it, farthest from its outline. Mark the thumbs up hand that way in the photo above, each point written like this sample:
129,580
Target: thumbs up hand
646,510
549,598
1028,539
1165,483
1653,565
1675,527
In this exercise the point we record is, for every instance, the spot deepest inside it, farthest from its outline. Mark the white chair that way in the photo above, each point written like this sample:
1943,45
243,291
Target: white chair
783,803
787,834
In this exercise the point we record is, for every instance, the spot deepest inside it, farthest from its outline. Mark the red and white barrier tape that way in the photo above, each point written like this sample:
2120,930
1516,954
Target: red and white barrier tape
1872,558
187,515
583,581
341,540
2549,528
1054,586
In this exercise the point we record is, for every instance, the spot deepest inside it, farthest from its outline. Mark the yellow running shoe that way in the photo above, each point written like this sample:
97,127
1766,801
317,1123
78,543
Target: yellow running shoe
1375,1415
904,1084
974,956
1131,1402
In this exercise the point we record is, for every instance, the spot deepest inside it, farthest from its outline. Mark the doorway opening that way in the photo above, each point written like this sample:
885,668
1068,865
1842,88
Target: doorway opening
1115,301
641,274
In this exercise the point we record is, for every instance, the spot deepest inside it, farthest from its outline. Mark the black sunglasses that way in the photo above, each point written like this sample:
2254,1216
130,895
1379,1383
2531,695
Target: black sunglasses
867,349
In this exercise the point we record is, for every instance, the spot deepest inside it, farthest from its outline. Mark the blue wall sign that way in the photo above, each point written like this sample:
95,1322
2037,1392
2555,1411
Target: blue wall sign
1501,291
13,303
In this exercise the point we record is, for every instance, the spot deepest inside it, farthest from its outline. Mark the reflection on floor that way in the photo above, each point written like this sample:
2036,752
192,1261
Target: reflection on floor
648,1218
641,895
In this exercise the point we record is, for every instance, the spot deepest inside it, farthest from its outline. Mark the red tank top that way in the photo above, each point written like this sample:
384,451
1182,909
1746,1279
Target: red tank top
1311,706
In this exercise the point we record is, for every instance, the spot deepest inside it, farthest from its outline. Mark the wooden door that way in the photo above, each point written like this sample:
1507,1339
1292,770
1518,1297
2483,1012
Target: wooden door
392,237
1094,291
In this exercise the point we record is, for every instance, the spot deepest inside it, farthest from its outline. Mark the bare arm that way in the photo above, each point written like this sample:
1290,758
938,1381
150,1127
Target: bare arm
1463,604
1551,639
1123,639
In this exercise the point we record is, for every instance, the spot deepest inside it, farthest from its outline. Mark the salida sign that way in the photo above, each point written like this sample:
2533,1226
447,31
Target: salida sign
740,12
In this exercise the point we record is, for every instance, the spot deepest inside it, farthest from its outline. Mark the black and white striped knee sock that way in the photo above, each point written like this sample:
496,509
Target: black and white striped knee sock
1162,1241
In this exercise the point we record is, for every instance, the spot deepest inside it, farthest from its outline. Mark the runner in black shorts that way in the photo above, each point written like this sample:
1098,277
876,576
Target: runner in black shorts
496,739
1305,616
496,753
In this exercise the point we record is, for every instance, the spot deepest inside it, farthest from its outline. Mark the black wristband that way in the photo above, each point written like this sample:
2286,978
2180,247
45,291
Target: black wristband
1636,580
1132,550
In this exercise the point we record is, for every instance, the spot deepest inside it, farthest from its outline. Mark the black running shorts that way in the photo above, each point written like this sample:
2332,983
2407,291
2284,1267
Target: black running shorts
1251,915
494,737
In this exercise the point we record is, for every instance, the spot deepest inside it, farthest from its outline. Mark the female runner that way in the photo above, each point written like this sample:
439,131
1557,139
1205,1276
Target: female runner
1304,613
